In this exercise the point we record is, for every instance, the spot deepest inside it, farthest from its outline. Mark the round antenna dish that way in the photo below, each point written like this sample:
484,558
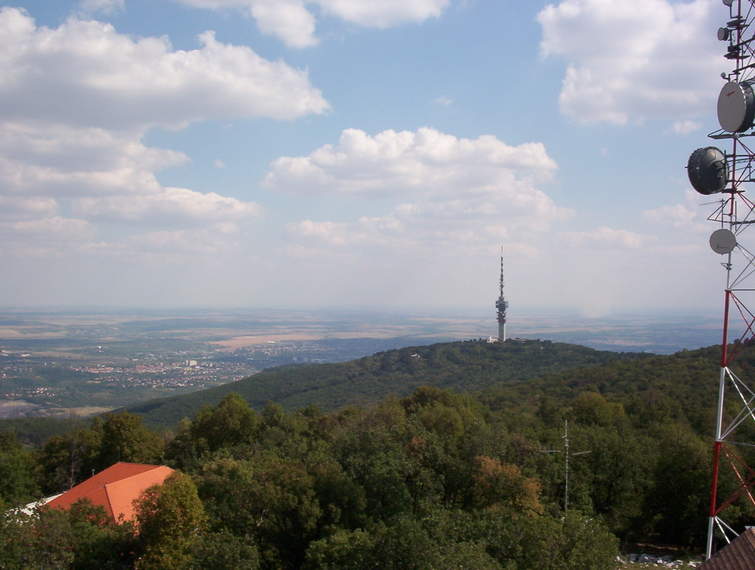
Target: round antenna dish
728,2
707,170
723,241
724,34
736,107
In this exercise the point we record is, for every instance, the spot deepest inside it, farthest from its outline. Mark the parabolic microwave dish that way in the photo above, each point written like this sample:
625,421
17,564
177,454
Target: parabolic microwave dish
736,107
723,241
707,170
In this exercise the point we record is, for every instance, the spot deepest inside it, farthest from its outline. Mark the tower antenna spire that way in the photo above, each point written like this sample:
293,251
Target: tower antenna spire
501,289
501,305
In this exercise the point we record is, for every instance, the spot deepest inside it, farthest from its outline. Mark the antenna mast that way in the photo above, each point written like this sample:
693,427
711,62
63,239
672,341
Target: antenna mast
725,172
501,305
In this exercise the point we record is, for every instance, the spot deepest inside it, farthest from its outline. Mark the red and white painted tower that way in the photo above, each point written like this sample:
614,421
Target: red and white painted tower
727,172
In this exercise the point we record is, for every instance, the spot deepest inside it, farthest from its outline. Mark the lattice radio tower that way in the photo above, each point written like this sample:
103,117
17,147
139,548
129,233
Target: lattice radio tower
727,172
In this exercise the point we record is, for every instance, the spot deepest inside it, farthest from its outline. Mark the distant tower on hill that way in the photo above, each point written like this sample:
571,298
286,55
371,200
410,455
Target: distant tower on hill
501,305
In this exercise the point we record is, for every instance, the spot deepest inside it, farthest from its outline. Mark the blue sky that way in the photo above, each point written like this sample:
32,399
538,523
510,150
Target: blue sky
312,153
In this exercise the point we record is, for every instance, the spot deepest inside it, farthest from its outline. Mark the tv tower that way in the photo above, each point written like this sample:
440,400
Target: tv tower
501,305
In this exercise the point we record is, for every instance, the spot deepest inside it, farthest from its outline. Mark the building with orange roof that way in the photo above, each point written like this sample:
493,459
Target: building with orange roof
115,489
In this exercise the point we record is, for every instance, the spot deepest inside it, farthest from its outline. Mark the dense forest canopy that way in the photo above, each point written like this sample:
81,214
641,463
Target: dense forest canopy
432,479
462,366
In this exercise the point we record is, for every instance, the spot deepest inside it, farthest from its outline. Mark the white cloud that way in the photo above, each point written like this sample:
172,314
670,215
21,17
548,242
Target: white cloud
385,13
210,241
677,215
605,237
294,23
688,215
101,78
632,61
426,161
47,158
288,20
91,7
685,127
15,208
167,206
444,101
78,101
449,192
42,236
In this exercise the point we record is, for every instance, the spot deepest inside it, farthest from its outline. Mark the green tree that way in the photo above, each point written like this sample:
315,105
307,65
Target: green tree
231,422
272,498
126,438
170,519
97,541
18,482
342,550
223,550
681,486
66,460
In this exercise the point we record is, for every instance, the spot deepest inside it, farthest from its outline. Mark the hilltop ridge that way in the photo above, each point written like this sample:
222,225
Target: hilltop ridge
463,366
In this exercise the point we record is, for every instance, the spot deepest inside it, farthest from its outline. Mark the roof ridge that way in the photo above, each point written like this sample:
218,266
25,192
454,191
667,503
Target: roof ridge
153,467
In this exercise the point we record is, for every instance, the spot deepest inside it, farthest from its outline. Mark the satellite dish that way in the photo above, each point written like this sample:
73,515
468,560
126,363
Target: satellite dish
723,241
707,170
724,34
736,107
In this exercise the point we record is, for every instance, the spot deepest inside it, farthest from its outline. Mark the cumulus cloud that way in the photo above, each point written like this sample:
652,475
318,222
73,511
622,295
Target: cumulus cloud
293,21
47,158
632,61
447,191
101,78
425,160
77,103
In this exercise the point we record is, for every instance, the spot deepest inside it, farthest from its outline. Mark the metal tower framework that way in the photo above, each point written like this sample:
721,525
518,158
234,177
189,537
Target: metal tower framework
501,305
734,214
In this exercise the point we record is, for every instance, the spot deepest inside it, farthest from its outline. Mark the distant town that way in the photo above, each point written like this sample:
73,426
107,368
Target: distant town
62,363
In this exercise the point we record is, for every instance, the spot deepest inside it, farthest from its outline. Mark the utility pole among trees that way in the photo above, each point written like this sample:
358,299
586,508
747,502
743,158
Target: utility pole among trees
567,454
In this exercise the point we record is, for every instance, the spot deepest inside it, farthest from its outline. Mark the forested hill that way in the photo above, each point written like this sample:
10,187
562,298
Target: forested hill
462,366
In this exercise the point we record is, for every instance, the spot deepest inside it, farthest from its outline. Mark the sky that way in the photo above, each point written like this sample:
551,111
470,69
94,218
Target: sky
327,153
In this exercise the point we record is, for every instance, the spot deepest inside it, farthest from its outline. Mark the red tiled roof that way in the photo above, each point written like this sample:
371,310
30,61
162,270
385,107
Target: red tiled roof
739,555
115,488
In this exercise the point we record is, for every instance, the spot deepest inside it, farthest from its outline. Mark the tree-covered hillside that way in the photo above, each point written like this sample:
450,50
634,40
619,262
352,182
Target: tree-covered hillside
437,478
462,366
